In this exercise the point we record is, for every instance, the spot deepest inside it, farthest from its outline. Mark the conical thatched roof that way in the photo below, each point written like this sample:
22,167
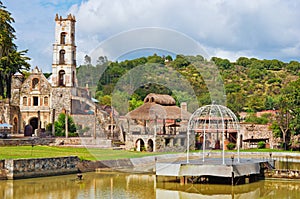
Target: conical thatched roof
159,107
160,99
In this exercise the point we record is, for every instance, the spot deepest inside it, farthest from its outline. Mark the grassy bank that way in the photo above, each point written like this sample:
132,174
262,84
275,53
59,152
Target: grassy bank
14,152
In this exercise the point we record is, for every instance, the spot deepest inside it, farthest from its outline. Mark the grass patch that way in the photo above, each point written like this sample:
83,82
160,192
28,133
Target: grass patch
15,152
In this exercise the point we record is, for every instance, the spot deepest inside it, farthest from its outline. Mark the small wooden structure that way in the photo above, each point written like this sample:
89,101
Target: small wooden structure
213,171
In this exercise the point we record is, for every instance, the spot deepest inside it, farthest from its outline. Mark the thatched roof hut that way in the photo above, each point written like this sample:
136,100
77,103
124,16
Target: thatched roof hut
157,106
166,100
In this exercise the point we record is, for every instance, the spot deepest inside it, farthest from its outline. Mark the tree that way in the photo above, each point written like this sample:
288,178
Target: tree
180,62
87,60
135,103
243,61
283,118
60,125
169,58
105,100
11,61
221,63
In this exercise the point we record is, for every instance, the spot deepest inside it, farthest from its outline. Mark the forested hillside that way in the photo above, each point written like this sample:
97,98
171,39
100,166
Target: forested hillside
250,84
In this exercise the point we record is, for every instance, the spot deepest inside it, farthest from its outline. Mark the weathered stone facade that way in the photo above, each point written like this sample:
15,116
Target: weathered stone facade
37,101
251,133
26,168
10,114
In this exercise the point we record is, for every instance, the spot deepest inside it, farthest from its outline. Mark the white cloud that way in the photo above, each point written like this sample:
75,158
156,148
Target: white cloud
234,27
264,29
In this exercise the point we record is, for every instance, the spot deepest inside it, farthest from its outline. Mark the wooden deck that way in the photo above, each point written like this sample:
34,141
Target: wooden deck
212,170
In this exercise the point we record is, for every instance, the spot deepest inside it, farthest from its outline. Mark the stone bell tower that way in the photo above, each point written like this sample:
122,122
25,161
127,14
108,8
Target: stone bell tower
64,81
64,53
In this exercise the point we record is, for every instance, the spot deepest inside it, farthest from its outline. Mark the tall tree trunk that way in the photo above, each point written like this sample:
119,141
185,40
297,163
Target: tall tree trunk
8,85
1,85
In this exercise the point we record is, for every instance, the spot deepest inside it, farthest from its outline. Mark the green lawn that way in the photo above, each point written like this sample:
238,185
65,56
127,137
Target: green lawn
15,152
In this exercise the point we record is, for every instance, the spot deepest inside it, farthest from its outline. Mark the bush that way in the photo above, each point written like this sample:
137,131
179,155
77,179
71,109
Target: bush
59,126
261,145
231,146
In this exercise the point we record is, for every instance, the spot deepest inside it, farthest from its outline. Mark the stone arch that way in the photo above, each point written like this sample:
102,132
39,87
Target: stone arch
73,78
25,101
34,122
46,101
62,56
63,38
72,38
140,144
150,145
61,78
35,83
15,125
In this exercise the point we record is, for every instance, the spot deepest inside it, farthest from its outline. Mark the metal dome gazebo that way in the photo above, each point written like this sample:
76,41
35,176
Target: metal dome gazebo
215,125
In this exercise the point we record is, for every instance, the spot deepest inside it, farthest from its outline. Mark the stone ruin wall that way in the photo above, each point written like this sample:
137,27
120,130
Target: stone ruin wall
257,131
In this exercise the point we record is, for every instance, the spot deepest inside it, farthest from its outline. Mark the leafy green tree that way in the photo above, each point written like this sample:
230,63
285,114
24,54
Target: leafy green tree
243,61
293,67
273,64
269,103
252,118
105,100
180,62
135,103
221,63
156,59
169,58
59,125
11,61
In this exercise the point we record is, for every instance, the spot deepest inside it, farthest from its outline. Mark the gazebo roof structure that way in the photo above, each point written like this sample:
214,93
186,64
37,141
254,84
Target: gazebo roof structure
213,119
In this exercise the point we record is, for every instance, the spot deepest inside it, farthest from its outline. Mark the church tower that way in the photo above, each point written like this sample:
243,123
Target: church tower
64,53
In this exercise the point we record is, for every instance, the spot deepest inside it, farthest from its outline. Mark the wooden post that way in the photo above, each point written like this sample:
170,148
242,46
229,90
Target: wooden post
182,181
66,124
53,120
39,124
95,122
232,178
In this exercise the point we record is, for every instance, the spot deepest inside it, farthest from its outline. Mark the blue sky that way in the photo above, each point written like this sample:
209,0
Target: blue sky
268,29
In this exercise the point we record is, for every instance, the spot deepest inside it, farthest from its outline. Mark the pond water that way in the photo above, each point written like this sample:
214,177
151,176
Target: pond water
123,185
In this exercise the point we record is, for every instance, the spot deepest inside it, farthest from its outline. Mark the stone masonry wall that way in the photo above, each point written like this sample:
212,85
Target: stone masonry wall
256,131
27,168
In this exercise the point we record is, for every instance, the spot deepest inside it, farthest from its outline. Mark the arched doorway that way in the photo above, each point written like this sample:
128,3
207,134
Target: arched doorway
140,145
15,126
150,145
34,122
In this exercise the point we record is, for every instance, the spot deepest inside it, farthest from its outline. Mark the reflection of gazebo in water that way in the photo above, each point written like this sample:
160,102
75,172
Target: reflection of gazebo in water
214,126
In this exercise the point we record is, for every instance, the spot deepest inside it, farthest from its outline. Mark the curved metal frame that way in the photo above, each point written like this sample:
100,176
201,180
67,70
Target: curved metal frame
213,114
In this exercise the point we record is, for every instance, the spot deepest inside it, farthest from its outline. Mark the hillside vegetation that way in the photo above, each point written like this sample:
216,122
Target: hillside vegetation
250,84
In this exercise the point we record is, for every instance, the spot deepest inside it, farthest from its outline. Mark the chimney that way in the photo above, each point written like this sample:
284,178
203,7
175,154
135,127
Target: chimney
183,106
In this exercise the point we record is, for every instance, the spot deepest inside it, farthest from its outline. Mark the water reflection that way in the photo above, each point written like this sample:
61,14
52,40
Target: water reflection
122,185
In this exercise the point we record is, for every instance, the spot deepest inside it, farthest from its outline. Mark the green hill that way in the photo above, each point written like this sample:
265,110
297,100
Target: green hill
250,84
